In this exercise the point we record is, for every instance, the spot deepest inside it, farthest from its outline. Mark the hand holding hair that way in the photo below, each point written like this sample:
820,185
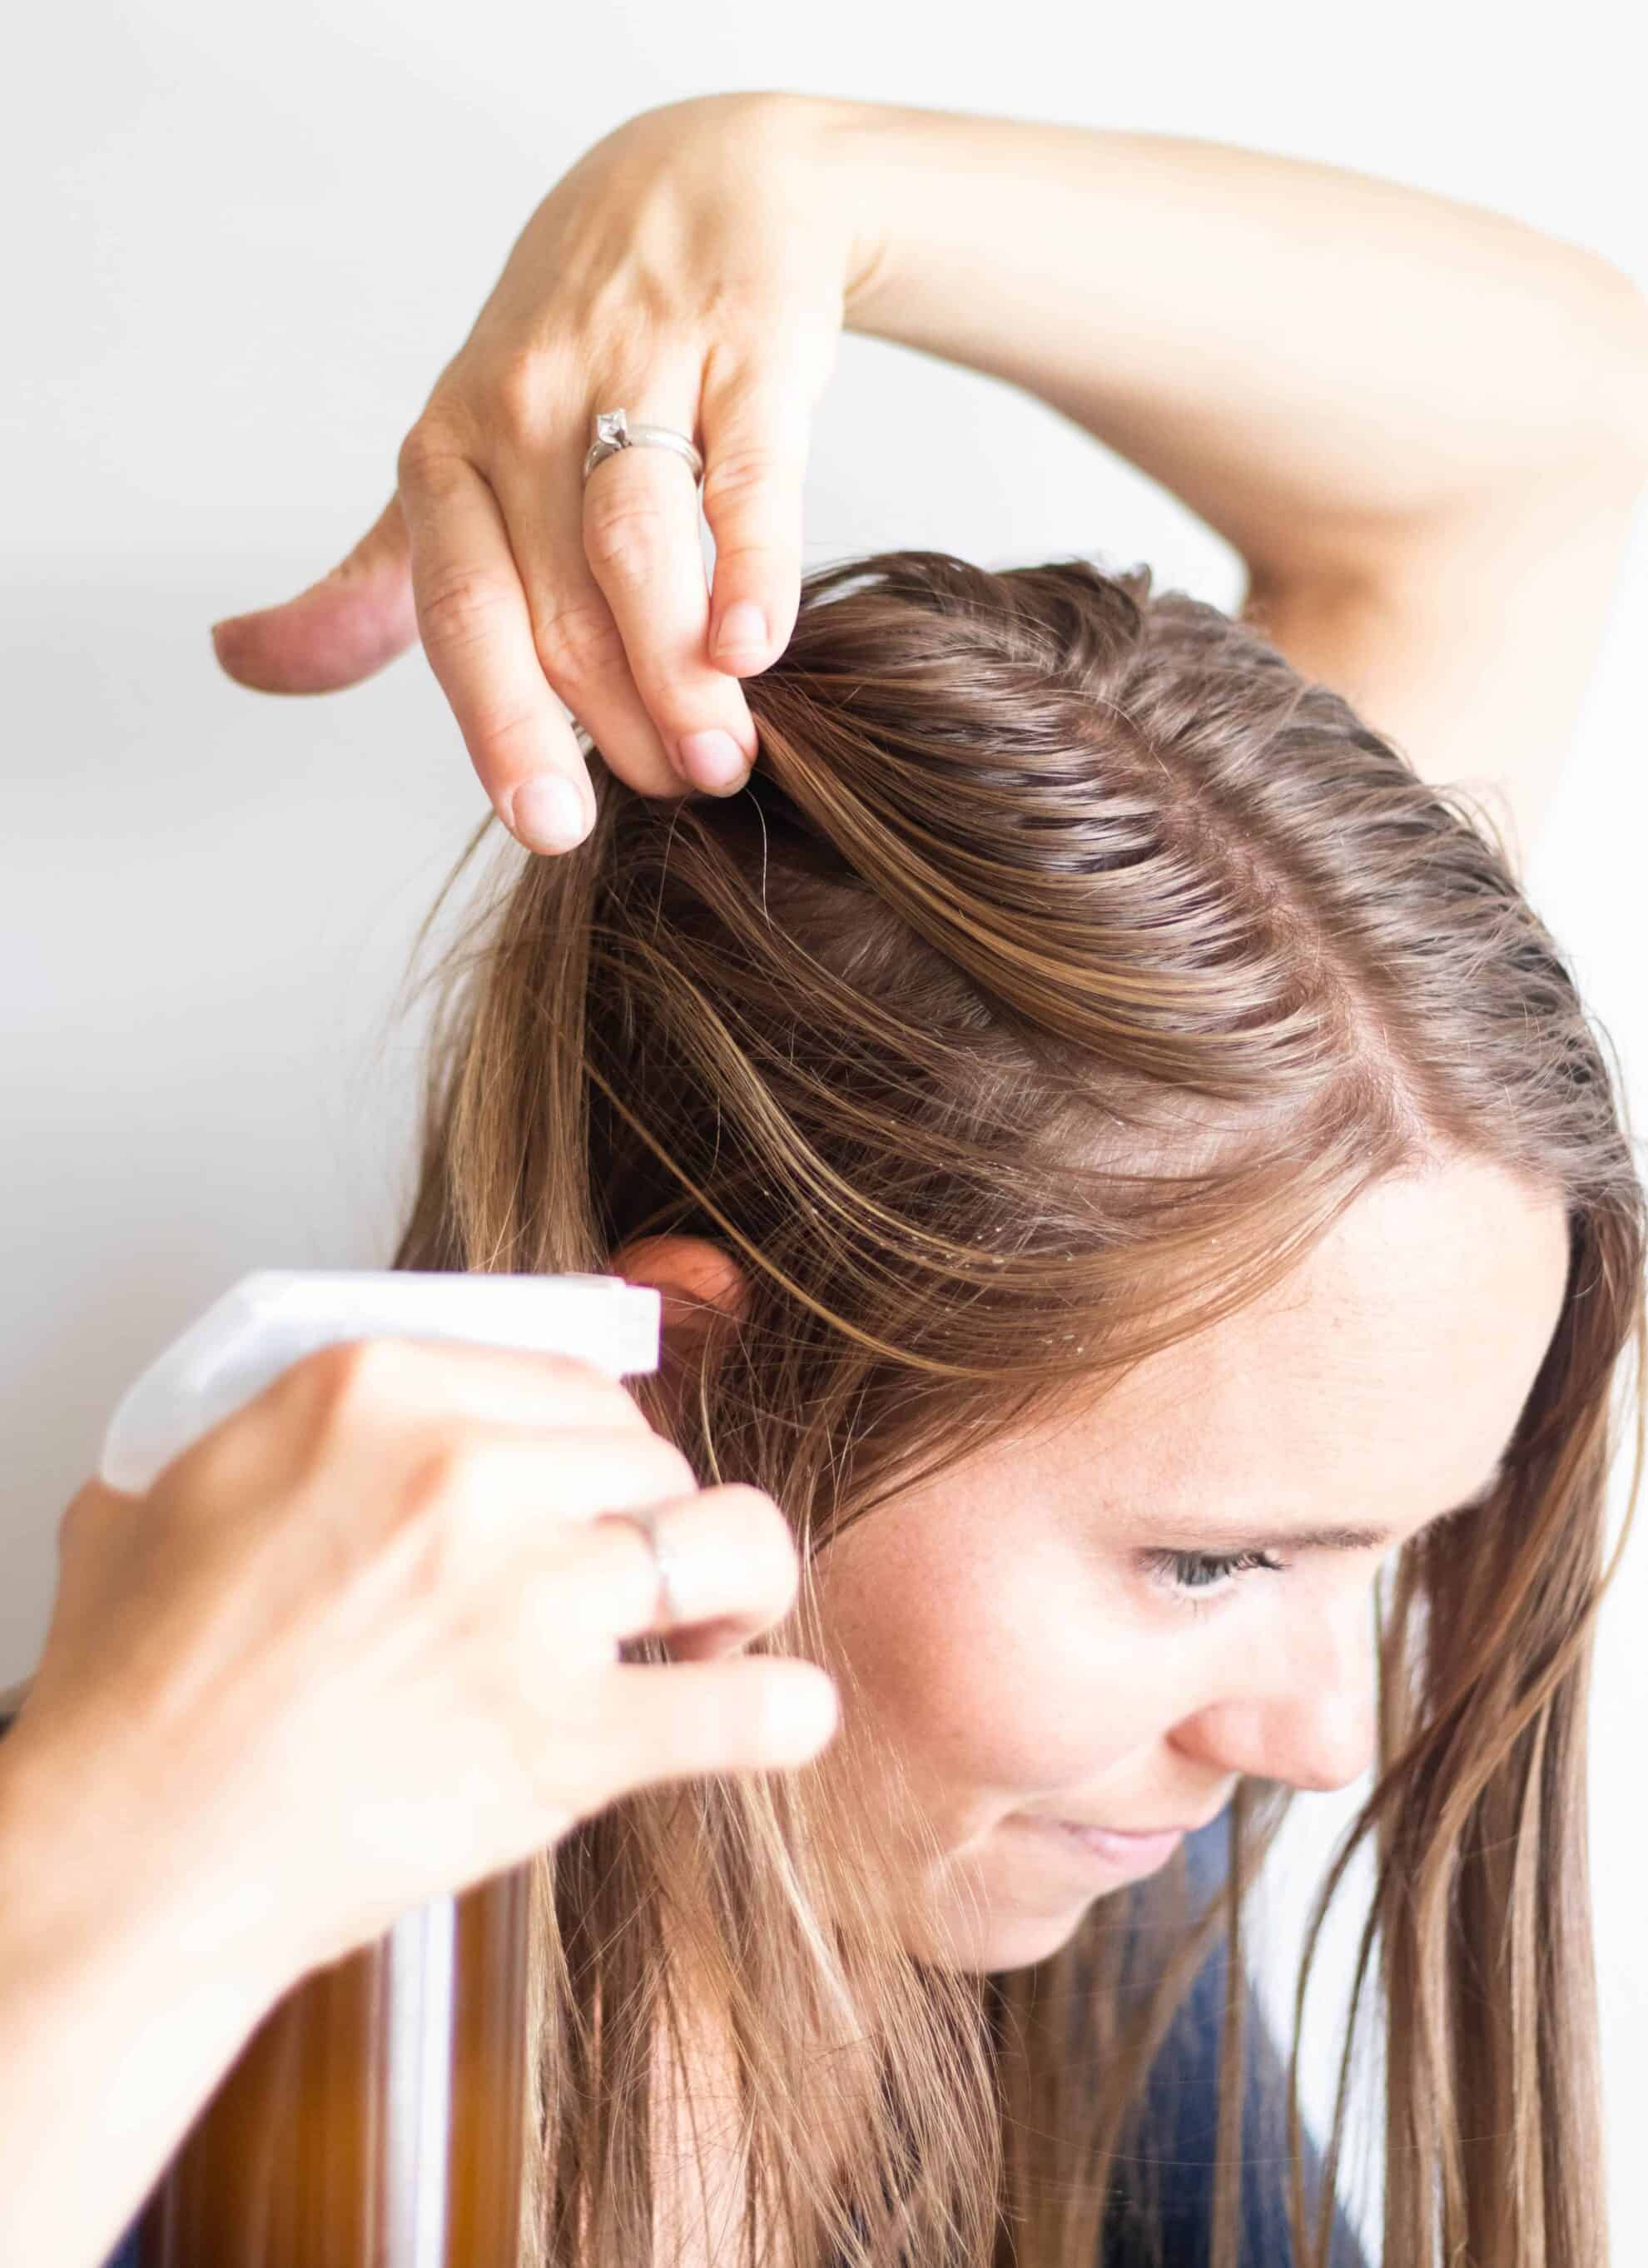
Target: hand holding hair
683,272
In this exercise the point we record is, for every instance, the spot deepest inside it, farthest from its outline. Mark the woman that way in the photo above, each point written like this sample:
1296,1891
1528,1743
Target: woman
1130,1176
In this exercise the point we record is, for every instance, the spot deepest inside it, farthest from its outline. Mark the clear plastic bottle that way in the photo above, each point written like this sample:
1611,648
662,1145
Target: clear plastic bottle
376,2118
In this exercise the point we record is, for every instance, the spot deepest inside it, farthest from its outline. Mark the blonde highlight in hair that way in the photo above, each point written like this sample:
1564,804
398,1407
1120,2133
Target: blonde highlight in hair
1068,967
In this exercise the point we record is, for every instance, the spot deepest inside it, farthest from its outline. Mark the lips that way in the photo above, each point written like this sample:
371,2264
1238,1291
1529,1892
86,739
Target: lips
1133,1834
1108,1843
1117,1858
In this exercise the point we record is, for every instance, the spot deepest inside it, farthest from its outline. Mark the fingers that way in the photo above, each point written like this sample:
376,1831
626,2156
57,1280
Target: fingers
477,632
640,538
679,1721
730,1560
535,592
581,649
757,430
374,1386
358,1401
338,632
543,1515
615,573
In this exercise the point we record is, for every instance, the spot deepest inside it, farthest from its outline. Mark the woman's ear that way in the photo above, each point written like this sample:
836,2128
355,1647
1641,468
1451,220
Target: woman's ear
698,1280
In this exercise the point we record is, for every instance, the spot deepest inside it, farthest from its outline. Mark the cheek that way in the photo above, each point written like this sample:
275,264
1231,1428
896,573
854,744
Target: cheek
995,1670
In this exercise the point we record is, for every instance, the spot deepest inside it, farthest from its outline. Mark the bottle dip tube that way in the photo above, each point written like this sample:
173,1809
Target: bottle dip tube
376,2118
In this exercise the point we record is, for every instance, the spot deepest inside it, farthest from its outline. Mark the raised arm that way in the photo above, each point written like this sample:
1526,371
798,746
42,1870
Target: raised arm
1422,425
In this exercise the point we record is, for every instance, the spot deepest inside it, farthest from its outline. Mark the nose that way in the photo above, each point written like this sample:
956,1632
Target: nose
1318,1741
1305,1715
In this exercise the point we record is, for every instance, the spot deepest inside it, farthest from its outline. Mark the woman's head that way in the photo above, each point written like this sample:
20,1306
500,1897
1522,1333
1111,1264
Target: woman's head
1062,1627
1106,1104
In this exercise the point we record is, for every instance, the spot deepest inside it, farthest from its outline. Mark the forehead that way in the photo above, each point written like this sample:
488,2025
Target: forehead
1390,1366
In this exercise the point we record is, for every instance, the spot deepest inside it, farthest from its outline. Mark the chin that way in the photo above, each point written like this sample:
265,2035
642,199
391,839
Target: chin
987,1939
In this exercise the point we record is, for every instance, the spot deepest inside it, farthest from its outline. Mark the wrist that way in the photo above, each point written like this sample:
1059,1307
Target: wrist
820,138
838,142
91,1876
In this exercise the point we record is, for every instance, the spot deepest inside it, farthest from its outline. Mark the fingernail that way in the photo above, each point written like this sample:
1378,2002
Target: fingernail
743,628
714,760
549,813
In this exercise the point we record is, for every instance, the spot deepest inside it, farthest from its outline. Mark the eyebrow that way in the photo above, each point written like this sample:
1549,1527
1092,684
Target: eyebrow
1337,1539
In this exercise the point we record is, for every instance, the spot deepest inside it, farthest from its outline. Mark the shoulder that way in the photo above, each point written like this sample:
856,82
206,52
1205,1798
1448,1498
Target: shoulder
1468,640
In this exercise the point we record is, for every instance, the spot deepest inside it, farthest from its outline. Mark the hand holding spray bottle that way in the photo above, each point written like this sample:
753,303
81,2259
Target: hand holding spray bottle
362,1632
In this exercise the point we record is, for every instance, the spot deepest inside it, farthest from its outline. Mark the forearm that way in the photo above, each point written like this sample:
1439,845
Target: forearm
116,2026
1307,357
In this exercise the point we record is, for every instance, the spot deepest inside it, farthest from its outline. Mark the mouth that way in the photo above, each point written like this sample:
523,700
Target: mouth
1109,1849
1135,1834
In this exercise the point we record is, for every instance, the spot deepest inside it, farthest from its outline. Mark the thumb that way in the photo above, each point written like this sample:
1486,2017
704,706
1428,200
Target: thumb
336,632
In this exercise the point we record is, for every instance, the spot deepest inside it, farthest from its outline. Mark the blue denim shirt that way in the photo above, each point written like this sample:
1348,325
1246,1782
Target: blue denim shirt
1183,2089
1183,2092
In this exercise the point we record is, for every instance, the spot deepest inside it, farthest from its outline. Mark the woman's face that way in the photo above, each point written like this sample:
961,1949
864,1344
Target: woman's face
1052,1630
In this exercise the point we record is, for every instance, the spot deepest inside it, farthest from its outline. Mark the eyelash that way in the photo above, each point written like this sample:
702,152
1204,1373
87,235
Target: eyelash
1170,1567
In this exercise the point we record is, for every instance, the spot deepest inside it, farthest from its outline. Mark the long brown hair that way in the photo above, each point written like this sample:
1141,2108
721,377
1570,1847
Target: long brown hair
1067,968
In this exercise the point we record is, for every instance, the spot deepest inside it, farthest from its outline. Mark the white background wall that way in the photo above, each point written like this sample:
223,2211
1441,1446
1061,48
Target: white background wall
241,246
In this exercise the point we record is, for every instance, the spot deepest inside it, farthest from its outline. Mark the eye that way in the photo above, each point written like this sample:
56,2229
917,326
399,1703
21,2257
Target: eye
1189,1574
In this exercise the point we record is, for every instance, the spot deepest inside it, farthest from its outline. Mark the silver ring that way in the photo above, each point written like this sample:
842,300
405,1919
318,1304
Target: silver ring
614,431
668,1607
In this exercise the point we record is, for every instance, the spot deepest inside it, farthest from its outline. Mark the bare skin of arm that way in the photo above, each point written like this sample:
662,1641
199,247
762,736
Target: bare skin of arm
1422,425
1471,650
113,2034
